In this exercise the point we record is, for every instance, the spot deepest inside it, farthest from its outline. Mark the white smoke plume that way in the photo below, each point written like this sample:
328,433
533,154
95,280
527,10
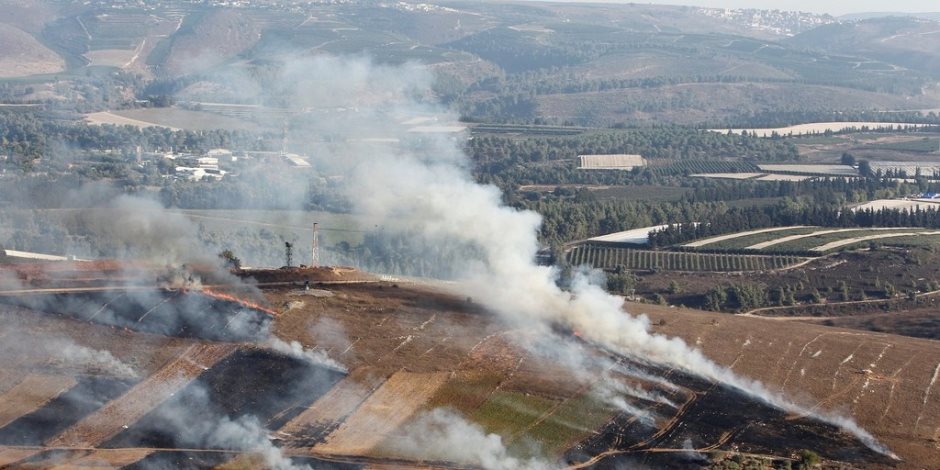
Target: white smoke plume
442,434
296,350
423,184
247,434
84,357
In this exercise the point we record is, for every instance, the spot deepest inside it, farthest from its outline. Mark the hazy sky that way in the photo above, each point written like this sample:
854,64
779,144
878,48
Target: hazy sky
834,7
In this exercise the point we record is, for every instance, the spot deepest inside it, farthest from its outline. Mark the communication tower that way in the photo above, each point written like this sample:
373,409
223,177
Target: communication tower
315,252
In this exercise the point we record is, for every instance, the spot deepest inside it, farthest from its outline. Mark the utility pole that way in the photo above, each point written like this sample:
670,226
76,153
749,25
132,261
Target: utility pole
315,252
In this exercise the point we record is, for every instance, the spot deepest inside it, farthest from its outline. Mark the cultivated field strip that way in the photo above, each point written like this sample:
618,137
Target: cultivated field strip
849,241
11,455
382,413
111,418
790,238
9,378
602,257
721,238
333,407
835,170
34,391
105,459
729,176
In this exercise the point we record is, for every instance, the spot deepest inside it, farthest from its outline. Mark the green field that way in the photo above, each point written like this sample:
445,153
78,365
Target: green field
511,413
750,240
915,146
809,243
571,423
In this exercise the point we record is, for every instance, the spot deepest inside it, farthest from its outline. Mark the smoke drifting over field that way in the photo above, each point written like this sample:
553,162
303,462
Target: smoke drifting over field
420,183
423,183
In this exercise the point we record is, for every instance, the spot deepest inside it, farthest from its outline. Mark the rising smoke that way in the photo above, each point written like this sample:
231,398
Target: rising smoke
422,183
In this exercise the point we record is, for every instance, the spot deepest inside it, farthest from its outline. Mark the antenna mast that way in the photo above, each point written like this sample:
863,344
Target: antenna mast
315,252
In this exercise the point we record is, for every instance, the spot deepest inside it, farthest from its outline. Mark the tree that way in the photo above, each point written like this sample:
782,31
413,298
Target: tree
848,159
675,288
808,459
230,260
864,168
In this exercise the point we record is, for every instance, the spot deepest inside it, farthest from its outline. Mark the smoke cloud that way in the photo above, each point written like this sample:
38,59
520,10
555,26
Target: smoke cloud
442,434
422,183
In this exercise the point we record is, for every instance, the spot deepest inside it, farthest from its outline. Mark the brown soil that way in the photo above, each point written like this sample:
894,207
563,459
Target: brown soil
31,393
883,381
441,350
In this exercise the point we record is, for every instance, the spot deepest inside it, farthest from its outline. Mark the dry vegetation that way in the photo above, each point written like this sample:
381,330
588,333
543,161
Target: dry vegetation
22,55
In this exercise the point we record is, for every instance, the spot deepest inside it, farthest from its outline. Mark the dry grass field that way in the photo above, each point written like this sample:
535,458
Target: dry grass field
411,350
22,55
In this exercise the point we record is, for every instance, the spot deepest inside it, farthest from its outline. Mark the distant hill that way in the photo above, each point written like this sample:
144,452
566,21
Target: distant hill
206,40
908,42
22,55
935,16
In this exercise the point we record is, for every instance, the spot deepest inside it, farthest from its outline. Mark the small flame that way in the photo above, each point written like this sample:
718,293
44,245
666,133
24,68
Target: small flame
242,302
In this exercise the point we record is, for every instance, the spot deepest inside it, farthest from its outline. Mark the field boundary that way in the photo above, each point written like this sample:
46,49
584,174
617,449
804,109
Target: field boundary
753,313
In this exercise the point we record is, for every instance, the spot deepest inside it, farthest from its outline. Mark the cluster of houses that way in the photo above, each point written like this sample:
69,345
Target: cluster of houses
216,163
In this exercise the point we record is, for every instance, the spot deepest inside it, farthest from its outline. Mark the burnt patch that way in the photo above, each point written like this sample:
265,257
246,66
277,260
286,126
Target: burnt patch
187,314
180,460
89,394
250,390
718,417
49,458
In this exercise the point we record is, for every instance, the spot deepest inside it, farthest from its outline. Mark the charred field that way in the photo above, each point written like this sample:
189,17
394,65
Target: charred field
408,350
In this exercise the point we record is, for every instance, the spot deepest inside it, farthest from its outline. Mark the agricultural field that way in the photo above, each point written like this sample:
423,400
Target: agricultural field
634,192
703,167
171,118
729,176
923,145
384,411
610,258
457,356
731,240
637,236
823,170
903,204
911,169
824,127
774,177
799,239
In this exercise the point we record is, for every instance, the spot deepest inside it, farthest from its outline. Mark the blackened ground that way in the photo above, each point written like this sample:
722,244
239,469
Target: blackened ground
180,460
45,459
719,418
201,460
89,394
250,384
168,312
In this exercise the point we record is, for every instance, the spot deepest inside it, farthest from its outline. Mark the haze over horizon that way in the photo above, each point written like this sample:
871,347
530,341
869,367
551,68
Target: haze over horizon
832,7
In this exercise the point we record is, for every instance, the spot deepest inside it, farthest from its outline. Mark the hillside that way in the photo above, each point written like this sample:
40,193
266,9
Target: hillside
22,55
405,352
912,43
206,40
